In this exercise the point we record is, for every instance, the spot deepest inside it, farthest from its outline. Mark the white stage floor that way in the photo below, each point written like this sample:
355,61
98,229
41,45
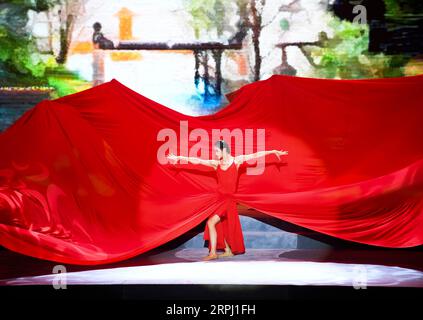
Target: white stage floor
256,267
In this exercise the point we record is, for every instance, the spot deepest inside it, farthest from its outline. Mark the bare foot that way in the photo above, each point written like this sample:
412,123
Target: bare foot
210,257
226,254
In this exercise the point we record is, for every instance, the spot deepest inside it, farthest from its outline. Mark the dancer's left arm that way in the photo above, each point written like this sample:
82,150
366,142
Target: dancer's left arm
245,157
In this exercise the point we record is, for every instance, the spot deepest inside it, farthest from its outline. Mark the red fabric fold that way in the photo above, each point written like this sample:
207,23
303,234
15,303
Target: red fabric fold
80,181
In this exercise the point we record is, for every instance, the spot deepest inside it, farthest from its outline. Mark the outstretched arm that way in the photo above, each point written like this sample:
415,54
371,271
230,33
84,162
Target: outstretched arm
245,157
194,160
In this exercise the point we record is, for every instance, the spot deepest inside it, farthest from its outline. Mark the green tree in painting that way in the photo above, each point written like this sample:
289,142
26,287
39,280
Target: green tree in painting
395,8
68,11
215,16
208,16
19,57
346,55
21,62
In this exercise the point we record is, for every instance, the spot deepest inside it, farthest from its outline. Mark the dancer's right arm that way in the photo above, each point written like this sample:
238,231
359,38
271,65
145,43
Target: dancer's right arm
194,160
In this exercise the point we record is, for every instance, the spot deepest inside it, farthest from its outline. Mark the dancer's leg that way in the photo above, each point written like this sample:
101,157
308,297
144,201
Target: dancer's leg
228,251
227,248
211,223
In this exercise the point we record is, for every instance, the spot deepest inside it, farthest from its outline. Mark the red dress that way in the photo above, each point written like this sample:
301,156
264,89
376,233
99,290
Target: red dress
229,227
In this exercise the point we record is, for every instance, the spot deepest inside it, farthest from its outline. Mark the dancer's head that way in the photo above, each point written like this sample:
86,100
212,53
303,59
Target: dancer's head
221,148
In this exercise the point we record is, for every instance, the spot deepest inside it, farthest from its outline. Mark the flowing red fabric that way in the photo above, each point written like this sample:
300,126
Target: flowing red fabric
80,181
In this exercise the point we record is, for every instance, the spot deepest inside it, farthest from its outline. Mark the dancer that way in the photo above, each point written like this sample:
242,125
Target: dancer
226,167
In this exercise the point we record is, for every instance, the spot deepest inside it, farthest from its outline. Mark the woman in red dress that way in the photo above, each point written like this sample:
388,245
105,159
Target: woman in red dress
223,229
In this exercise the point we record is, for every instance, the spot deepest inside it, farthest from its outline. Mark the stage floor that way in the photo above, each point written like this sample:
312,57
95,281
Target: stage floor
352,268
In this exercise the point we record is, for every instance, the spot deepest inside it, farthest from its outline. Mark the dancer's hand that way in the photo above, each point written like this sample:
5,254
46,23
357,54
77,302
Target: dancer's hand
173,158
279,153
